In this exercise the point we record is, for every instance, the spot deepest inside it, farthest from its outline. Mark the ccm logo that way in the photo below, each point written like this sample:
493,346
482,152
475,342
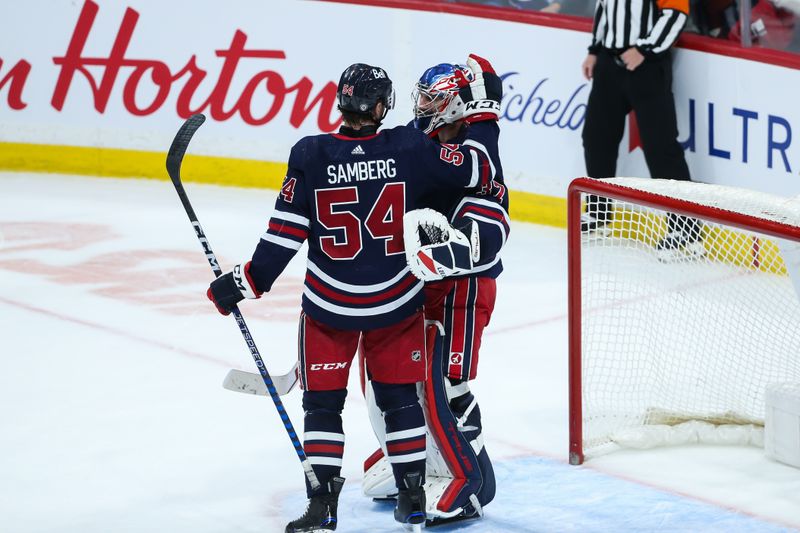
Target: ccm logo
328,366
482,104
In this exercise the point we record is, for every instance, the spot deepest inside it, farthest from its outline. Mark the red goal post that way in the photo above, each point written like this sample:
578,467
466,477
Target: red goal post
607,317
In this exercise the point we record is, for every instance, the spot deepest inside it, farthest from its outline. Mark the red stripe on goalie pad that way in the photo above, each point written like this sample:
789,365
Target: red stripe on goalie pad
450,493
372,459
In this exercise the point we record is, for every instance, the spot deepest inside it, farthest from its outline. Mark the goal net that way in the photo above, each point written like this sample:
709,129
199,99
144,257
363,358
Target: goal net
682,309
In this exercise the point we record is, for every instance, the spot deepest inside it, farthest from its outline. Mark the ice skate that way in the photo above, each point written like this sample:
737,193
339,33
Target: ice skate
410,510
320,516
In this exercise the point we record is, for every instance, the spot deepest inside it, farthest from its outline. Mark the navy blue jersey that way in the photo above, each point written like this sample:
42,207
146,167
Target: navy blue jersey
487,205
347,197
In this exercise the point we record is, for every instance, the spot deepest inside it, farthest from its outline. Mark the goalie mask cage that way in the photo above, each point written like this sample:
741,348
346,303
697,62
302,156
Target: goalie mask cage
661,336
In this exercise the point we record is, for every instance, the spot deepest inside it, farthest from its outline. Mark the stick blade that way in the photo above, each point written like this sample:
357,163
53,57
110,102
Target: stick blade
179,145
252,383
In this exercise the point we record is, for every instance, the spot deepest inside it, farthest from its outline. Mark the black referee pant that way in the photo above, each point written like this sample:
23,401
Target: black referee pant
648,92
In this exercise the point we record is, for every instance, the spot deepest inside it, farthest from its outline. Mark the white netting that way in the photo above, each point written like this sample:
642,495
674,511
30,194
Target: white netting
691,327
754,203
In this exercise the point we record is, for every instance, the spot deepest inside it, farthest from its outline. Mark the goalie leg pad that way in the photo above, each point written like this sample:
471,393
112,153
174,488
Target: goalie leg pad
454,420
460,477
378,482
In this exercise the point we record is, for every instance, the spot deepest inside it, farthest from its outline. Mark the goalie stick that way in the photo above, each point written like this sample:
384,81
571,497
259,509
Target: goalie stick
174,159
251,383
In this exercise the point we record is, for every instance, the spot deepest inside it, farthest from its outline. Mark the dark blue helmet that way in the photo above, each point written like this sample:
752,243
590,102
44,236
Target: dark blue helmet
435,97
361,87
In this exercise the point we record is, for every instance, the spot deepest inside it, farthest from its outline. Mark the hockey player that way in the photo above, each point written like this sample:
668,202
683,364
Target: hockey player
346,194
460,475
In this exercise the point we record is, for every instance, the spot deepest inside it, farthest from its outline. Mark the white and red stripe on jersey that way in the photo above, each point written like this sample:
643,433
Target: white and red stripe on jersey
286,229
494,226
354,300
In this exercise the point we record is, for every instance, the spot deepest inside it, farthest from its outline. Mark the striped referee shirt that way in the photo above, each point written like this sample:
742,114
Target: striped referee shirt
652,26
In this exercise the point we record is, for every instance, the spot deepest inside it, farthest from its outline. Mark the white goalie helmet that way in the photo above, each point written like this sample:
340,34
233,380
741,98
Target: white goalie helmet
435,96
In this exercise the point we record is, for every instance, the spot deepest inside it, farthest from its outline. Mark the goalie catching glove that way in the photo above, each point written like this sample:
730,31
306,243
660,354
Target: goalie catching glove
435,249
231,288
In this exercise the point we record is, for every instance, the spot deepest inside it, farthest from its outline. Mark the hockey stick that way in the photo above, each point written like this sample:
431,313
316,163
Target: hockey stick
250,383
174,160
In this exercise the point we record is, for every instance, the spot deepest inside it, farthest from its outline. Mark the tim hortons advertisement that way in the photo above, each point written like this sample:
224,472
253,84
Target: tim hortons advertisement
125,74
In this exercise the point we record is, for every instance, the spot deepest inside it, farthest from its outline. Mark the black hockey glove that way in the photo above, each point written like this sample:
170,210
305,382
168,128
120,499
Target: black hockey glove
229,289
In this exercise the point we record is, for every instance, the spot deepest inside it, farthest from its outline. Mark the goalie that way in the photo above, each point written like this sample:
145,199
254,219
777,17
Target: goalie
454,248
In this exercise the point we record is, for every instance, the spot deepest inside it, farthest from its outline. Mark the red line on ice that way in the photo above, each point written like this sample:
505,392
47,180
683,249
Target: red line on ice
115,331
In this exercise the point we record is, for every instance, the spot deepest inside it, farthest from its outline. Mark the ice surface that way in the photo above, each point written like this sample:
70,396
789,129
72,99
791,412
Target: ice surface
113,417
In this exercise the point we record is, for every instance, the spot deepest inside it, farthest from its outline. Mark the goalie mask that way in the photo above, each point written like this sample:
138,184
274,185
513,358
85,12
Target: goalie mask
435,96
361,87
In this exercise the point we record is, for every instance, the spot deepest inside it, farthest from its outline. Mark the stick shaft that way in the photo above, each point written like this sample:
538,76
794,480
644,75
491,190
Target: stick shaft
174,160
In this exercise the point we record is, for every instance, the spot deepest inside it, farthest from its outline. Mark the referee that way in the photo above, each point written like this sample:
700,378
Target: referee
629,61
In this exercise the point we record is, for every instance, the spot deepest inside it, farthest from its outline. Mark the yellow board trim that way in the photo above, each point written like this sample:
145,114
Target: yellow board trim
722,245
120,163
538,208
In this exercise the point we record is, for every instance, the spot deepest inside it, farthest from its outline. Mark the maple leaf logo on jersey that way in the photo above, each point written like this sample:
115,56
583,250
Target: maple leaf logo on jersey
358,150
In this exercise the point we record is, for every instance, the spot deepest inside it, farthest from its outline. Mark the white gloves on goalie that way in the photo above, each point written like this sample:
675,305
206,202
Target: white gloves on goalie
435,249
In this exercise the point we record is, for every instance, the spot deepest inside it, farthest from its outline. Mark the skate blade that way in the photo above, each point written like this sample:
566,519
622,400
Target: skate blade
414,522
454,520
